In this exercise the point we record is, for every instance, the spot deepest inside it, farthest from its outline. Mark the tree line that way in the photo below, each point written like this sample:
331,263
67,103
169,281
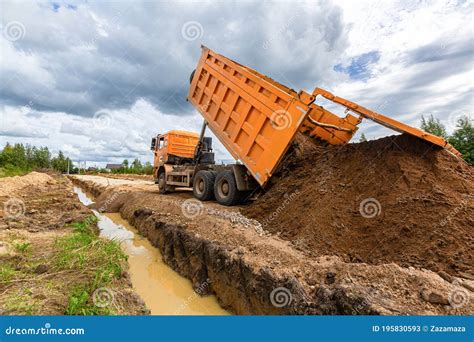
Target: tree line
135,166
20,159
462,138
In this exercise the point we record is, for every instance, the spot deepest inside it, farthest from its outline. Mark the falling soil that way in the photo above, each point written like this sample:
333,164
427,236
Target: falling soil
396,199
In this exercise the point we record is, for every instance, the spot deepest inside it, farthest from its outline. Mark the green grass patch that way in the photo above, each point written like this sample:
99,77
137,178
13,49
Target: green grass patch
9,171
101,260
7,273
80,302
22,247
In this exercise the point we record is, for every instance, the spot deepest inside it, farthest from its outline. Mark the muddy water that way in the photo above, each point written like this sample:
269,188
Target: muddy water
164,291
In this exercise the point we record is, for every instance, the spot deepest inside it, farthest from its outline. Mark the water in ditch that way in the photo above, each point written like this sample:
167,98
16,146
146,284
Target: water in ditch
164,291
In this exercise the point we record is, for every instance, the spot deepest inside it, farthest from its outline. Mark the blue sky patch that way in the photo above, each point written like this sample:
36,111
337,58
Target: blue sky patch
55,6
359,67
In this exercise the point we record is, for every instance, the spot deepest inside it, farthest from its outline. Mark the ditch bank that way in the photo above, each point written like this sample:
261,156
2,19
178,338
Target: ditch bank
253,272
52,262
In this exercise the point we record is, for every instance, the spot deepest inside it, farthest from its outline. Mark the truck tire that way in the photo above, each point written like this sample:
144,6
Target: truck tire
162,183
203,185
225,189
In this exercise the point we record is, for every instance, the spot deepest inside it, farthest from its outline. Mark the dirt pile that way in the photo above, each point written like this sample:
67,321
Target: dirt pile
10,185
396,199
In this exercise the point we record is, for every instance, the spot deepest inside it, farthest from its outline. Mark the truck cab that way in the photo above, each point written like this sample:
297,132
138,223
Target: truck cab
185,159
174,147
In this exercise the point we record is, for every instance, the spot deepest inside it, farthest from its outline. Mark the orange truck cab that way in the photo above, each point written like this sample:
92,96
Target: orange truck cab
174,146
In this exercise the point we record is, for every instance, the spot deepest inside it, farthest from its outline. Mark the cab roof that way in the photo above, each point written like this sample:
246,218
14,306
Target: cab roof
178,132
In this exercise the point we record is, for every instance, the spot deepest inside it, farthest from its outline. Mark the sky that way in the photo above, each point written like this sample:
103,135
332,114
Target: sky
98,79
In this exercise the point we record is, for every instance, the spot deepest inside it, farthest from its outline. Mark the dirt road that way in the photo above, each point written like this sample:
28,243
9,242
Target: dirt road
254,272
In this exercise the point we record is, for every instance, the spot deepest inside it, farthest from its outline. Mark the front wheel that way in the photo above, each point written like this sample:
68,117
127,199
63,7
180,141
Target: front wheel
162,183
225,189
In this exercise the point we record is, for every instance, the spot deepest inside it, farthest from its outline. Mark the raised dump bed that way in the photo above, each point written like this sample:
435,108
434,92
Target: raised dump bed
255,117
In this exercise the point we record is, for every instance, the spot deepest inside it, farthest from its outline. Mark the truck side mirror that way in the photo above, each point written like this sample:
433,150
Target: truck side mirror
153,144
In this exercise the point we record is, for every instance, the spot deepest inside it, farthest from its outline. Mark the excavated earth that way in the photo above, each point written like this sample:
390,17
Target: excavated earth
253,271
396,199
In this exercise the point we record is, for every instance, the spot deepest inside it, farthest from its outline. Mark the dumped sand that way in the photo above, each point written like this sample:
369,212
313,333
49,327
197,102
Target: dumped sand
396,199
10,185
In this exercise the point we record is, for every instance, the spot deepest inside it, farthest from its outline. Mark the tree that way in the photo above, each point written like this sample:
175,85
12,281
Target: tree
125,164
148,168
362,138
463,139
42,158
136,165
60,162
433,126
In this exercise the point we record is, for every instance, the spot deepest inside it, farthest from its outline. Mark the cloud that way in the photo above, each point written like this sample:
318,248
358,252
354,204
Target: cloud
109,55
63,63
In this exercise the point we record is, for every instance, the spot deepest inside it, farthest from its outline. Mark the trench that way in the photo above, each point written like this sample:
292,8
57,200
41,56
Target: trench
264,277
163,290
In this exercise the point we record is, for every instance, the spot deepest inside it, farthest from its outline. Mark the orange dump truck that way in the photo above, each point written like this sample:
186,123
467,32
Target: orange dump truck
256,119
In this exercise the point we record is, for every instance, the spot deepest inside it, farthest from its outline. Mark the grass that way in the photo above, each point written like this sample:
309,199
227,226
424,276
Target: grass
22,302
102,260
10,171
7,273
80,263
22,247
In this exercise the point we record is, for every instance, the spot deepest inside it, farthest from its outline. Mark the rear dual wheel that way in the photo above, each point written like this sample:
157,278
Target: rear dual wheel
225,189
203,185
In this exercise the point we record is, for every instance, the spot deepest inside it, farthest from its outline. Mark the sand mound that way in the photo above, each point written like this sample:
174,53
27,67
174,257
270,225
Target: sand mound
396,199
10,185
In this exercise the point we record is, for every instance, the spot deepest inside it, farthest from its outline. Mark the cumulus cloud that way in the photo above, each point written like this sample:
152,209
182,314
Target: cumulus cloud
64,64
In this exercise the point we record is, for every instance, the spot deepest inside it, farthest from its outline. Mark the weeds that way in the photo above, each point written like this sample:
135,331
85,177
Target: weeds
7,273
102,260
81,303
22,247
